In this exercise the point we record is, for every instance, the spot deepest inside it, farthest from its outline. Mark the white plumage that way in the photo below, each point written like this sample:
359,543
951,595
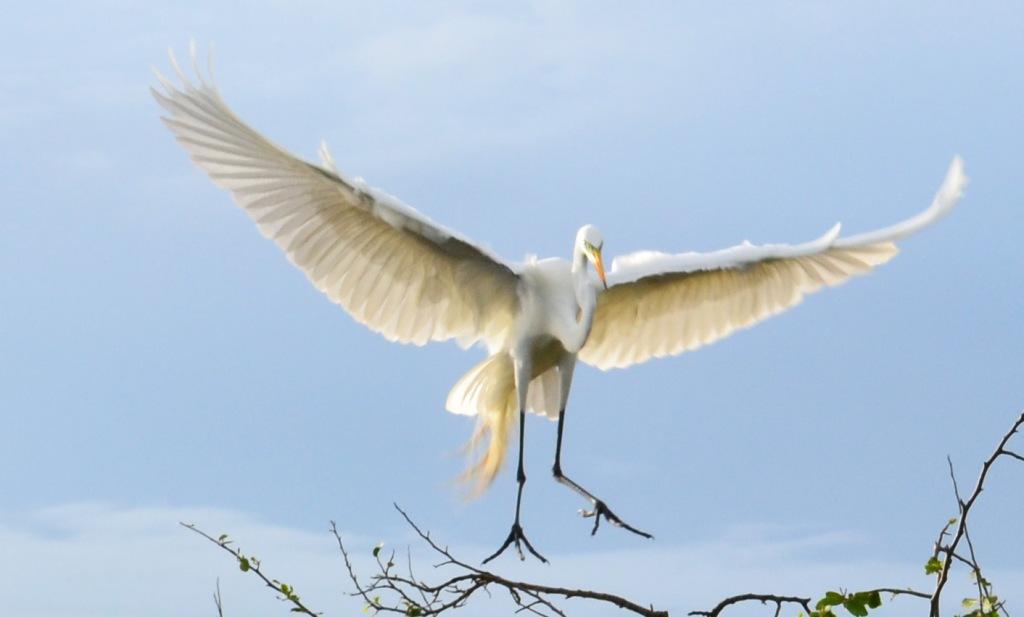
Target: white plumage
414,281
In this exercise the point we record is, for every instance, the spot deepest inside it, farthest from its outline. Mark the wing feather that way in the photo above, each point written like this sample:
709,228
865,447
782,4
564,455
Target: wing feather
659,305
390,267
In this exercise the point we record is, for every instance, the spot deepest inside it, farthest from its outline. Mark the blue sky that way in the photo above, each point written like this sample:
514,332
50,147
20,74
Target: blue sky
161,361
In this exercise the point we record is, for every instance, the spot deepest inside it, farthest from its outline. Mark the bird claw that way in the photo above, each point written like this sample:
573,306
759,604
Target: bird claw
517,537
601,509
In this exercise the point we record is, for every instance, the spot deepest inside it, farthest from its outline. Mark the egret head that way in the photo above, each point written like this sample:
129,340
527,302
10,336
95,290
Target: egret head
589,242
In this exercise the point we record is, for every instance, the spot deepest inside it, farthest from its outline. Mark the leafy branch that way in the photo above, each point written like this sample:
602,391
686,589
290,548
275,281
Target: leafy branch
249,563
391,590
858,604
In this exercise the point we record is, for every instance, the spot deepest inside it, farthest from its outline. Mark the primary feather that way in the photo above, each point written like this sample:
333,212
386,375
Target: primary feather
660,305
390,267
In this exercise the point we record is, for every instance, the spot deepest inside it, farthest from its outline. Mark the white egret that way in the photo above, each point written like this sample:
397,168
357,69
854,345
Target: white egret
414,281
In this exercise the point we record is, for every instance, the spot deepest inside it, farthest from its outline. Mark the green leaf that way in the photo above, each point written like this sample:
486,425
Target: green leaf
874,599
933,566
969,602
856,607
831,598
376,549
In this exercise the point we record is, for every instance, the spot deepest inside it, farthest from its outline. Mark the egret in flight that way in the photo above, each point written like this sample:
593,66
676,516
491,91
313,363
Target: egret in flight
414,281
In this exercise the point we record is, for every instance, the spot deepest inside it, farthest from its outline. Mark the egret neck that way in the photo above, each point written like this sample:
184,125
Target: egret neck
586,298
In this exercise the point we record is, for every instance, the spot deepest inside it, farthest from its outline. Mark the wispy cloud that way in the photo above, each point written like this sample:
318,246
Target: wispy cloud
89,559
452,83
92,559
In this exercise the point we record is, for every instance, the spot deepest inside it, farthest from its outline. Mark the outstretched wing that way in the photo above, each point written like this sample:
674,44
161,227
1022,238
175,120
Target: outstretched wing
660,305
390,267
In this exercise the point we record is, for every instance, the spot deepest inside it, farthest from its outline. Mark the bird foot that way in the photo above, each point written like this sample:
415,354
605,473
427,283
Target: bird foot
517,537
601,509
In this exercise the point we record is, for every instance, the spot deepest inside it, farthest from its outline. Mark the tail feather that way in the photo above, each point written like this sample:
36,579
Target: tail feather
488,392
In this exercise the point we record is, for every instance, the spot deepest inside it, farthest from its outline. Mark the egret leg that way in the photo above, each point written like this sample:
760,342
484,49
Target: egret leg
599,507
516,535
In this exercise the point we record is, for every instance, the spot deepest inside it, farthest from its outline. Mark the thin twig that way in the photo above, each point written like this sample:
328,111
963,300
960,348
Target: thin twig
253,565
218,601
902,592
763,598
972,563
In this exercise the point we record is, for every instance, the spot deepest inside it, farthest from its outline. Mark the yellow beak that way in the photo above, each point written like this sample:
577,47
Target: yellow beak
599,266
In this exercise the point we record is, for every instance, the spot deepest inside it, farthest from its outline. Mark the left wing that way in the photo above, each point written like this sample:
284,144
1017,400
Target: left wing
390,267
661,305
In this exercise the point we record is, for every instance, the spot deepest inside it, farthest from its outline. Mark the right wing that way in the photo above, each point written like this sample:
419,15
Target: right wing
390,267
661,305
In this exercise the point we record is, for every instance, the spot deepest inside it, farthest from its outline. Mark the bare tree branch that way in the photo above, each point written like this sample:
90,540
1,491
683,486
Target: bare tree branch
391,591
961,532
763,598
973,561
454,591
961,524
218,601
902,592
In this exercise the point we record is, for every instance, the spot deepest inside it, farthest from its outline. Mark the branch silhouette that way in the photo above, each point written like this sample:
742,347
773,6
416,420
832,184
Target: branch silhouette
985,605
434,599
962,533
391,590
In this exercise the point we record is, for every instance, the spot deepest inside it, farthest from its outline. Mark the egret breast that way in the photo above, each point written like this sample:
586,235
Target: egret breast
549,307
